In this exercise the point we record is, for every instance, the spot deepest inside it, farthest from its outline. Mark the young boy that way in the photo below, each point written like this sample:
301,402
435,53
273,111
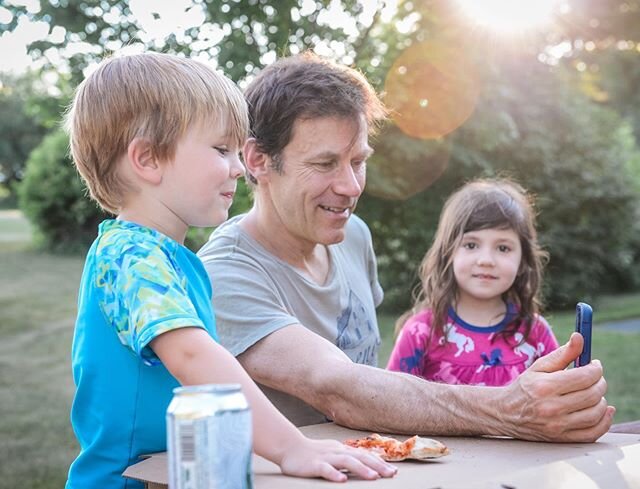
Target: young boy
156,139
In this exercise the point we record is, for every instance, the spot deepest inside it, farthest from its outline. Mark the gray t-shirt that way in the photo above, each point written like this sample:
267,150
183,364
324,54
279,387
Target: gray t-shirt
256,293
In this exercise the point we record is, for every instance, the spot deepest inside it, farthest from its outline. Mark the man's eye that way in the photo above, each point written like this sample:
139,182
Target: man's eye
325,165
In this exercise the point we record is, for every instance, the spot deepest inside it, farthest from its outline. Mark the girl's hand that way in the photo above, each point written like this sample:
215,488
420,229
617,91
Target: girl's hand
330,459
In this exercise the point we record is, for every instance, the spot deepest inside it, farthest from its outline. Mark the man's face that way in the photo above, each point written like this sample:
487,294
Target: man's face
323,174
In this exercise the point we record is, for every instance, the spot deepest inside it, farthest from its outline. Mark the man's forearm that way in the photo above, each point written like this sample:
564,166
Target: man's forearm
392,402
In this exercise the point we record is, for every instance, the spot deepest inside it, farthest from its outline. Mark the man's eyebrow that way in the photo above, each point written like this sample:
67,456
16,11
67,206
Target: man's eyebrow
327,155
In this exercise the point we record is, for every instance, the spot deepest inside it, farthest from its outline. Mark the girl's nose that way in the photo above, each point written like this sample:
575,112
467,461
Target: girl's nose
485,258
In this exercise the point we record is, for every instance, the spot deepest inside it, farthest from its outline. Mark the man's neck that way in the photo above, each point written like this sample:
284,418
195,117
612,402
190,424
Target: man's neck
311,259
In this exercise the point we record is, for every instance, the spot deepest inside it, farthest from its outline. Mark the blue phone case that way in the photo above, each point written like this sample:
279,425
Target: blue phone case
584,315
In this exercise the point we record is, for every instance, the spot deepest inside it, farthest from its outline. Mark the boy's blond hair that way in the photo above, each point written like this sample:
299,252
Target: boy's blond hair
153,96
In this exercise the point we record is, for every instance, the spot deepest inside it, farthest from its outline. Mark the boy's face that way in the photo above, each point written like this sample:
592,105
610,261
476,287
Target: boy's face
200,181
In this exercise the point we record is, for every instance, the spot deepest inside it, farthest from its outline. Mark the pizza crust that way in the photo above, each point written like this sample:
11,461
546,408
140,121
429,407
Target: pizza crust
392,450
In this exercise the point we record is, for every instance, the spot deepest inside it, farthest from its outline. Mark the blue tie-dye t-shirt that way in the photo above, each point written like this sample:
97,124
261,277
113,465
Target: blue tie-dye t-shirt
137,284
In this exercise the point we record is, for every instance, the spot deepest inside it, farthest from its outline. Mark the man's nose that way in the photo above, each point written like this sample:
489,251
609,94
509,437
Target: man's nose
349,181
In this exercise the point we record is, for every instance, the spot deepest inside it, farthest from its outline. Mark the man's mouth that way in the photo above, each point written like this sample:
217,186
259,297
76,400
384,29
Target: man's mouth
336,210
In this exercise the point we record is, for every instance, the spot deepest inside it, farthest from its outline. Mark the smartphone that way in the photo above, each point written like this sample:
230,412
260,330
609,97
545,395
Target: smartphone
584,315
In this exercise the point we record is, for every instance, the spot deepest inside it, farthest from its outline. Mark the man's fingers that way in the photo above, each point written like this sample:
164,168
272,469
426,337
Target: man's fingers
591,432
578,379
561,358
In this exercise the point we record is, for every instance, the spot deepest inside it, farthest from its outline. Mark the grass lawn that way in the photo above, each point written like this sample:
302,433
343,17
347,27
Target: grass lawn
37,308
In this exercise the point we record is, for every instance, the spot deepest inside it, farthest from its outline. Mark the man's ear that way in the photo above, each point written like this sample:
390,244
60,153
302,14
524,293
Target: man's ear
256,162
143,162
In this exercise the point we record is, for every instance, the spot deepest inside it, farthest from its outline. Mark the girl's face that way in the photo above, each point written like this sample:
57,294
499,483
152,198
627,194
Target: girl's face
486,263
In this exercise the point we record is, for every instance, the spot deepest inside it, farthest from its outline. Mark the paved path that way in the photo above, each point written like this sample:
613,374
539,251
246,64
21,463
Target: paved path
623,326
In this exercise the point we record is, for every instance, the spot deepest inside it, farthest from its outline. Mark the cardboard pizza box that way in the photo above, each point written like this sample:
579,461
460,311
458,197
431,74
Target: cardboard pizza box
474,463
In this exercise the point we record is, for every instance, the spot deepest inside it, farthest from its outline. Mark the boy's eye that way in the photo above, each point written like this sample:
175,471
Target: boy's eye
223,151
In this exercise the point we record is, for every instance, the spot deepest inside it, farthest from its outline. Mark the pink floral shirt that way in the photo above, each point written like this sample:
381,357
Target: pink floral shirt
469,354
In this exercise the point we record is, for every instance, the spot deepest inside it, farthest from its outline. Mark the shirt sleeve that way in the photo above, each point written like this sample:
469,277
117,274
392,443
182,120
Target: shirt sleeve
408,354
372,269
247,302
545,340
145,297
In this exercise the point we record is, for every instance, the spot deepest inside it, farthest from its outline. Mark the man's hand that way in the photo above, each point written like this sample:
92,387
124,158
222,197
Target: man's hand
549,403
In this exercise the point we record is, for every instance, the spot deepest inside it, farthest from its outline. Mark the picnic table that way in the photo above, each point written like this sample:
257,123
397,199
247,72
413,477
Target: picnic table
474,463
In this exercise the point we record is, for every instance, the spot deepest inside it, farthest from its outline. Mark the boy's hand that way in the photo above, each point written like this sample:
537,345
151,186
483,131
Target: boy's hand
329,459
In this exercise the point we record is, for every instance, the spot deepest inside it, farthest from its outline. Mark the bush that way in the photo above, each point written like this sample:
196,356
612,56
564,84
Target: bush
579,160
55,200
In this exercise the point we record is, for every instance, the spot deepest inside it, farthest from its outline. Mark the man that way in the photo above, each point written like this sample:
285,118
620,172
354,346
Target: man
295,283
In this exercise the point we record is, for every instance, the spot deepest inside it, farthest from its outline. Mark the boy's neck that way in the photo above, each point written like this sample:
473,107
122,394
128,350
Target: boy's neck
169,225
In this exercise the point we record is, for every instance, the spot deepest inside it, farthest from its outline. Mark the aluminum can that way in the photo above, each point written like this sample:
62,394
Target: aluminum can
209,438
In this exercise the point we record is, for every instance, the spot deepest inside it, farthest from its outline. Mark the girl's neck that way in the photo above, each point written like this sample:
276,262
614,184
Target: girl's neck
480,312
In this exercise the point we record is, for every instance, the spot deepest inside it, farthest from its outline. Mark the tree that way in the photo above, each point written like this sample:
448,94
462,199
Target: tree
53,197
524,116
575,156
241,36
21,129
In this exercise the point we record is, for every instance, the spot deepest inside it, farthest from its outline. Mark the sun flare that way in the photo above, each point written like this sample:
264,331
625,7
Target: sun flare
509,15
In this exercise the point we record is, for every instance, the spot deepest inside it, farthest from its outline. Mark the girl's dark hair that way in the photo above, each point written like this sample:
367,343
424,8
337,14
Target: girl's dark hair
482,204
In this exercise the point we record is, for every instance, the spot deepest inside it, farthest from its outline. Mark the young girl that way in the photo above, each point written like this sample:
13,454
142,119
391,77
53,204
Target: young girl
475,320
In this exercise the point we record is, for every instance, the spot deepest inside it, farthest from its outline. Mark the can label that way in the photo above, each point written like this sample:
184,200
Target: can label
209,440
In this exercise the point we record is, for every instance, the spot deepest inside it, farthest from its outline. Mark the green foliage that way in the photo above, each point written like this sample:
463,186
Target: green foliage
573,155
54,199
580,159
20,130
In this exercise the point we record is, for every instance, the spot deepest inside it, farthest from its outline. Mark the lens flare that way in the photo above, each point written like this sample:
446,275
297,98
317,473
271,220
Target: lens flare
432,89
509,15
403,166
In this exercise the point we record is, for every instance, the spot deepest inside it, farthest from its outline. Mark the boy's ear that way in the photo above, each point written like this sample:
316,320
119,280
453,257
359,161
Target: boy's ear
256,162
143,161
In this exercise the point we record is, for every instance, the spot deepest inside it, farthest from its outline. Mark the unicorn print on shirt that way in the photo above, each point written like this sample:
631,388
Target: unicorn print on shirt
527,349
463,342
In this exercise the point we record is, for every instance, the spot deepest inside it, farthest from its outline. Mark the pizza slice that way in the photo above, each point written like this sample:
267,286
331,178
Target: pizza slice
393,450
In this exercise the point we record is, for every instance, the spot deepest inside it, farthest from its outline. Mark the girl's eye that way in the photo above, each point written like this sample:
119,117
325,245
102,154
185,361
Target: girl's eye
504,248
221,150
470,246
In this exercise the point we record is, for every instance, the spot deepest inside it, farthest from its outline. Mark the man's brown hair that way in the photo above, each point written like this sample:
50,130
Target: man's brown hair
306,86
